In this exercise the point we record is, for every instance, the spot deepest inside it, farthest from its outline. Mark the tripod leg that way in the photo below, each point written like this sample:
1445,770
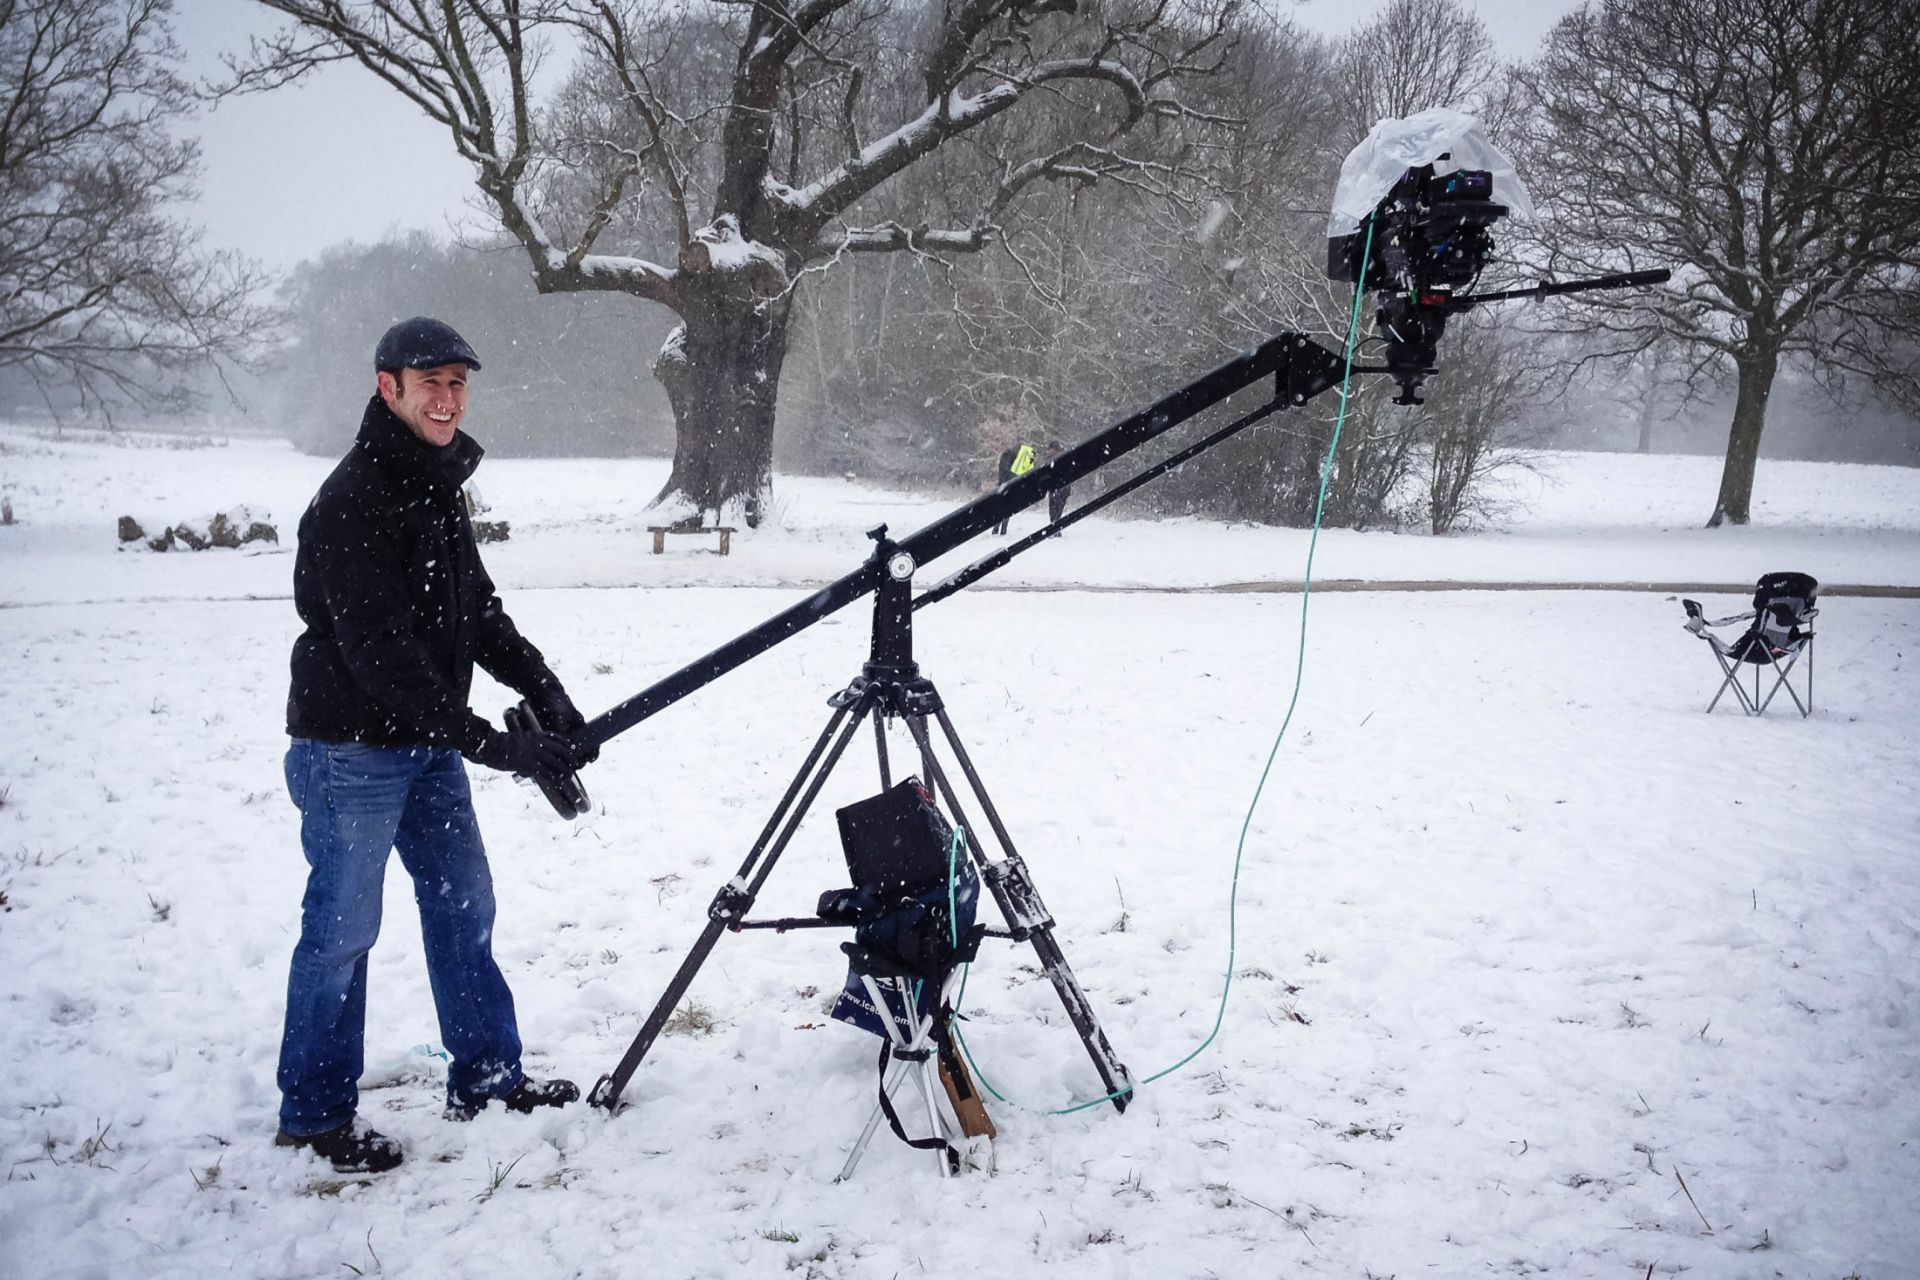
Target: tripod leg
1025,914
880,746
734,899
607,1090
973,781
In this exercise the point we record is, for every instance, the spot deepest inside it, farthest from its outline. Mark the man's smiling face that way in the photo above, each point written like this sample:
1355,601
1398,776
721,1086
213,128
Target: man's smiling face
430,401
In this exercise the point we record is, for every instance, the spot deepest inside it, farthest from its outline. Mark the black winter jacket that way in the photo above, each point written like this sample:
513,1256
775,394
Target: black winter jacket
397,605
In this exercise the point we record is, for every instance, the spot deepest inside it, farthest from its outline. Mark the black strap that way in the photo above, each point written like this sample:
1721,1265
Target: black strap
935,1143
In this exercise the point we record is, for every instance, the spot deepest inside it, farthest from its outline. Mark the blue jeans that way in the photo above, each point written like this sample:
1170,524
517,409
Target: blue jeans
356,804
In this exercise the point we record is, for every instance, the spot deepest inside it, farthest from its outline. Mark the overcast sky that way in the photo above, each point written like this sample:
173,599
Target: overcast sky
343,157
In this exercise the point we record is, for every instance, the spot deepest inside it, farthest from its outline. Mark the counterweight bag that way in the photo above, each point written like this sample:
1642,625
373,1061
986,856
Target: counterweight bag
908,919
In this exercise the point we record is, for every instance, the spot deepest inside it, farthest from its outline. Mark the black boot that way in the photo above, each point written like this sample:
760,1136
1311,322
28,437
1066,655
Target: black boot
531,1093
353,1148
523,1098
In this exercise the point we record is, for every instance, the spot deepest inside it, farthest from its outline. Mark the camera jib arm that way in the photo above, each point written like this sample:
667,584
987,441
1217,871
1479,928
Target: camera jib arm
1301,367
1426,237
891,685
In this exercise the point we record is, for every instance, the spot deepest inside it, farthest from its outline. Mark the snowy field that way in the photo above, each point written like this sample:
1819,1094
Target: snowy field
1587,517
1524,940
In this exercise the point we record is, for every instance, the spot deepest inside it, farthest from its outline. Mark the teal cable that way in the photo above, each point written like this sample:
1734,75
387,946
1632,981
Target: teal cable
1299,676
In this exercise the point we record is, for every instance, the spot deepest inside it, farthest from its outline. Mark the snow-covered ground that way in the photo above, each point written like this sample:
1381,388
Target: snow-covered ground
1523,938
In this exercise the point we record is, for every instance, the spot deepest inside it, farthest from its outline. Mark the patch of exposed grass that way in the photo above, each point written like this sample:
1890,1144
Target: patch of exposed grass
691,1019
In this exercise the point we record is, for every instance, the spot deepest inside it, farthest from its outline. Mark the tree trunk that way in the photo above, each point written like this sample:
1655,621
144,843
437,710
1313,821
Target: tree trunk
1757,368
721,371
1647,403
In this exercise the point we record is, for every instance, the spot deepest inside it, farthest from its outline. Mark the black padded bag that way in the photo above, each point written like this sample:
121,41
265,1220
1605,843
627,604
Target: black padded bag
896,840
907,920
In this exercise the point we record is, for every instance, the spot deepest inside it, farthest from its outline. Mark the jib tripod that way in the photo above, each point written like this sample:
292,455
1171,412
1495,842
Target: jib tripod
890,685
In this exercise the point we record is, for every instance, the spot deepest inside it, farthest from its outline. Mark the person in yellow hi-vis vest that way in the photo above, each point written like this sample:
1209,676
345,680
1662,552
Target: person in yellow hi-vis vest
1016,461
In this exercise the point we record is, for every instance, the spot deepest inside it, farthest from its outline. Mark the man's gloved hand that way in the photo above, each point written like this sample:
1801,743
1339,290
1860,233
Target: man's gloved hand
558,715
532,754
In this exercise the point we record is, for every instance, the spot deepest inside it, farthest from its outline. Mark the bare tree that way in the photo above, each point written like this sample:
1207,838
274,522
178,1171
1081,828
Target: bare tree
1417,54
100,289
765,164
1413,55
1467,431
1767,150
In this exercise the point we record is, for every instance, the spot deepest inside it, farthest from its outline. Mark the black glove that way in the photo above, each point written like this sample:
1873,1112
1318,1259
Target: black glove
558,715
532,754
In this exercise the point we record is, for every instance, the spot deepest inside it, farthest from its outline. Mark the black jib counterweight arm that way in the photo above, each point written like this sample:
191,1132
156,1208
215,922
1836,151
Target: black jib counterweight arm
696,675
1304,369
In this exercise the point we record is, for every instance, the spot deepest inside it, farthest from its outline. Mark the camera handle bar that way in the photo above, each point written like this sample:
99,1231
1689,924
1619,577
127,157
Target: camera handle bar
1413,321
1553,288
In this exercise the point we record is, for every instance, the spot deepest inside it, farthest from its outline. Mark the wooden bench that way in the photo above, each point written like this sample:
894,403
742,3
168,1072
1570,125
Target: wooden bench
660,532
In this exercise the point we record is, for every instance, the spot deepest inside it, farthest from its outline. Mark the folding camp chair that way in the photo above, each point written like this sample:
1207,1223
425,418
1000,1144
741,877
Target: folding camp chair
1780,631
910,1053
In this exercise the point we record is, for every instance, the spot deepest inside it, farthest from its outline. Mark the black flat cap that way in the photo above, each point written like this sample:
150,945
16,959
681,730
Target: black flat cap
422,343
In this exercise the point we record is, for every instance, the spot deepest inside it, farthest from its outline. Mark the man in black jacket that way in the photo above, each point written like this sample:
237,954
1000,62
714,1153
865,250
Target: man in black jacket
398,609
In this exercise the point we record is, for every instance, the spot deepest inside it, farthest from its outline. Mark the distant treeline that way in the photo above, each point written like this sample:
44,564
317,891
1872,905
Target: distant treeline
1095,299
1012,275
894,375
562,375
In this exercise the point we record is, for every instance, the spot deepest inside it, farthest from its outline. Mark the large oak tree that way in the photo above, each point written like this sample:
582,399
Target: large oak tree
766,165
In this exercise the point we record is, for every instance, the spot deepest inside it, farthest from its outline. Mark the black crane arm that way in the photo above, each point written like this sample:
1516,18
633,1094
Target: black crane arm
1302,369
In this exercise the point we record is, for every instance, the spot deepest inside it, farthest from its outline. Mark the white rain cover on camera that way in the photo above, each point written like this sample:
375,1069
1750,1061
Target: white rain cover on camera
1394,146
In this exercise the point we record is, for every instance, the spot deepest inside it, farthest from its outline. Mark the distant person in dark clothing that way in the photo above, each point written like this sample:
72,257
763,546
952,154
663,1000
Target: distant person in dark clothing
1057,500
1015,462
398,610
